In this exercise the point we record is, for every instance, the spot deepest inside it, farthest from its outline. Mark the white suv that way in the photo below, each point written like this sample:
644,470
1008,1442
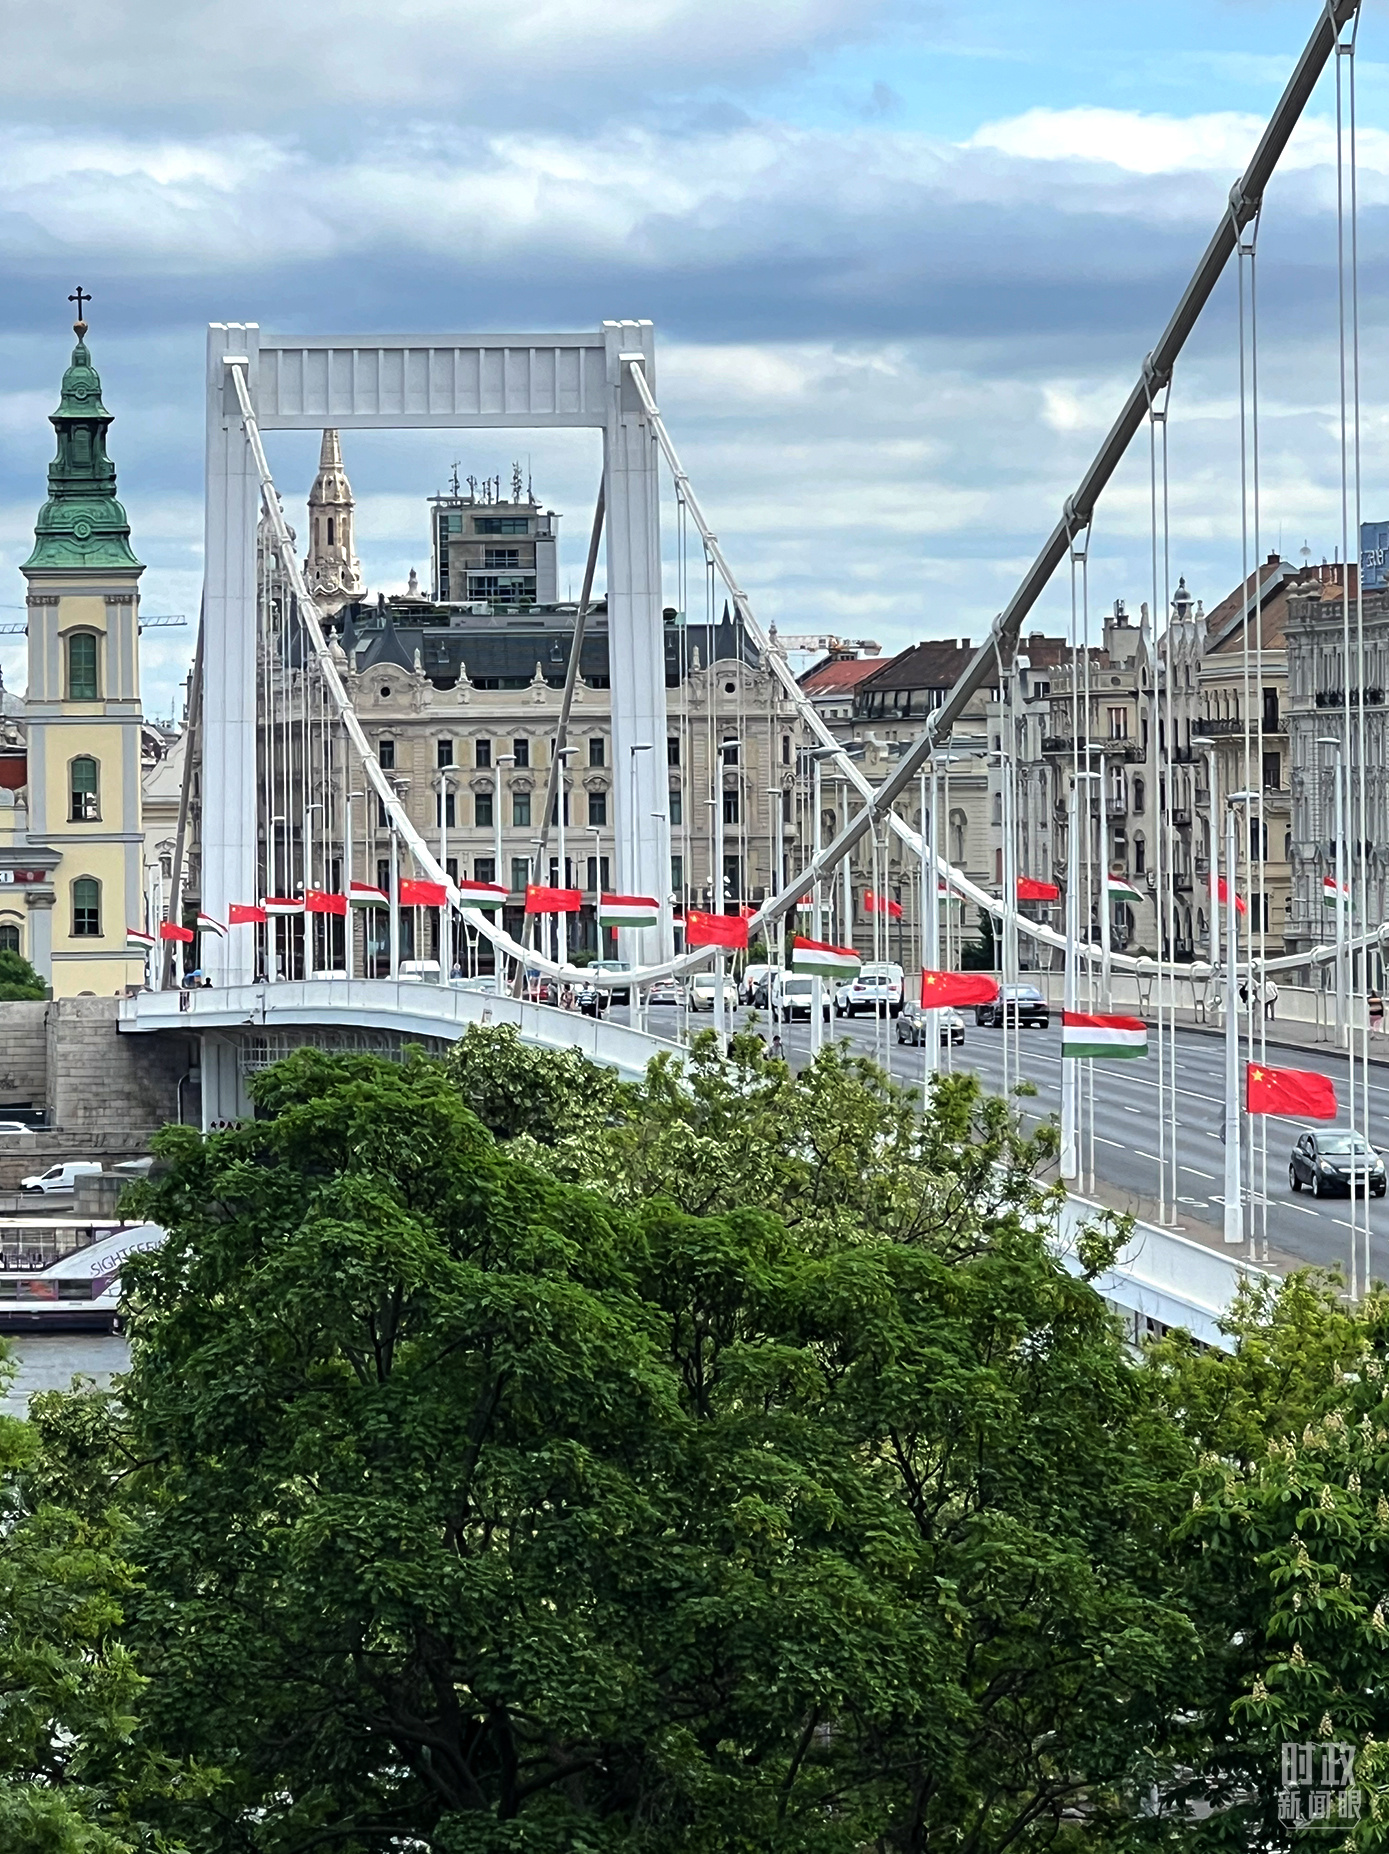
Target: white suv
876,988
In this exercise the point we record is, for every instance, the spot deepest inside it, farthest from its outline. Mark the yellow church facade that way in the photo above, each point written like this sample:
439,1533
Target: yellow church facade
71,839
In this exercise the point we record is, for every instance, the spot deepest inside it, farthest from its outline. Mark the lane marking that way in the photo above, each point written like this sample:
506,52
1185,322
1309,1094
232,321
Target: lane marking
1197,1174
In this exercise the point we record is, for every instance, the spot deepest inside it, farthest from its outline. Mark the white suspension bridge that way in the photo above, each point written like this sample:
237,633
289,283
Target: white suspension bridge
279,736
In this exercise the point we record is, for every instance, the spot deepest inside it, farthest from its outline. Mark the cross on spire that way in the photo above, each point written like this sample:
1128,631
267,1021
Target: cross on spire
79,296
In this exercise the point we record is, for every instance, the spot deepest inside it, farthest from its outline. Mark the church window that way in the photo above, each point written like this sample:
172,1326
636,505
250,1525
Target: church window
82,681
82,786
330,531
9,937
86,909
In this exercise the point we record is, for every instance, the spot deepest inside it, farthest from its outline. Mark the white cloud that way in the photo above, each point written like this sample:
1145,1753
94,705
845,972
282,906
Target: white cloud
1134,142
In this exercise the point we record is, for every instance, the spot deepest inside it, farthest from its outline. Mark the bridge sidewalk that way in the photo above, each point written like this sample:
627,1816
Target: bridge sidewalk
1285,1034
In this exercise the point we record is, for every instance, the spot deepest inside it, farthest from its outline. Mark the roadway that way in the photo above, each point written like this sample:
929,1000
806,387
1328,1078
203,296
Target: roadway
1126,1125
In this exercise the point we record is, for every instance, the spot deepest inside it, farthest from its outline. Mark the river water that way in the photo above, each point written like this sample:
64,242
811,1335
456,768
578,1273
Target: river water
50,1361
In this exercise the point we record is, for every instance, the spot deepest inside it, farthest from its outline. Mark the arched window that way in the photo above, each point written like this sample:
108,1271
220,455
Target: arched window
1138,796
82,677
85,806
86,909
957,838
330,531
9,937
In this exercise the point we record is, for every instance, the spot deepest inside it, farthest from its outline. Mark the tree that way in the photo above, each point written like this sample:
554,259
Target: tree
560,1492
980,955
18,979
74,1777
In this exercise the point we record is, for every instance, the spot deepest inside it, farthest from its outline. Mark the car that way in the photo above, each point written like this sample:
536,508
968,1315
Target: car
912,1022
14,1126
1024,1006
60,1177
702,990
793,995
612,965
487,985
874,988
1335,1160
666,991
747,985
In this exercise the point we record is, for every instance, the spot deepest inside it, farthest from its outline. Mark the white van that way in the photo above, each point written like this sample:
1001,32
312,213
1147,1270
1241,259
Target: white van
793,995
61,1177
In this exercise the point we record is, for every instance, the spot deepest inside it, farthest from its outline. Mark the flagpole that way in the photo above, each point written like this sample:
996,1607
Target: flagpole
1234,1208
817,995
393,916
1070,1156
930,918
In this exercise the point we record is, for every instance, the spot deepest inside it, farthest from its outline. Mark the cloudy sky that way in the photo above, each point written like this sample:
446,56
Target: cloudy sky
904,261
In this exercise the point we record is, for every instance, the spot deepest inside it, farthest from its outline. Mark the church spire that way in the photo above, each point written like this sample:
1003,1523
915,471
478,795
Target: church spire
81,524
333,572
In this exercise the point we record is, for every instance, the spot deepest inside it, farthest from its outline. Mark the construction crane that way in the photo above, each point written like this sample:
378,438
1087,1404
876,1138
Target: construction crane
824,641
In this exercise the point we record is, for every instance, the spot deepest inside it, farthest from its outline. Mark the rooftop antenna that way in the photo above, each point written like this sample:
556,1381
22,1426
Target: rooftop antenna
516,481
454,478
472,488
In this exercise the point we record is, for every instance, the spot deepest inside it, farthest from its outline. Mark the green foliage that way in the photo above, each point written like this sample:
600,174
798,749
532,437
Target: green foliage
18,979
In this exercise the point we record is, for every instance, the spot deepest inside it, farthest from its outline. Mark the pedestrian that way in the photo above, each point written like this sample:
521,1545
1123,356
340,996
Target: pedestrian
1270,999
778,1053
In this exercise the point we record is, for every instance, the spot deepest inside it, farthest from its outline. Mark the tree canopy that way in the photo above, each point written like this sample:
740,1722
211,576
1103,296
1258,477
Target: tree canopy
513,1459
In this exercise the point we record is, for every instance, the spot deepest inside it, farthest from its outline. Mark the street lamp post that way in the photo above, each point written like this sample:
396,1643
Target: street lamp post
561,798
502,759
634,952
444,784
1339,863
1234,1194
349,926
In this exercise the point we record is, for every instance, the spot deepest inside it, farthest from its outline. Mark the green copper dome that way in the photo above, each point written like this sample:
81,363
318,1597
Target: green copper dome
81,524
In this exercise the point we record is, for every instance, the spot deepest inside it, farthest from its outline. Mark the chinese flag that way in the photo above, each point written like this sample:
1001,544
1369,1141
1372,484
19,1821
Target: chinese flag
541,900
319,901
1222,895
240,915
729,930
419,894
942,989
1300,1093
881,904
169,931
1030,890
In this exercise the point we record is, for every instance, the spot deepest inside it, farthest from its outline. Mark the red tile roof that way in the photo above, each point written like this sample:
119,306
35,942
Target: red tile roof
838,673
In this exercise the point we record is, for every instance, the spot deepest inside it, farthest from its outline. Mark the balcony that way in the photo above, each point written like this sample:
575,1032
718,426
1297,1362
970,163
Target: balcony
1203,796
1064,746
1182,819
1214,729
1336,698
1116,808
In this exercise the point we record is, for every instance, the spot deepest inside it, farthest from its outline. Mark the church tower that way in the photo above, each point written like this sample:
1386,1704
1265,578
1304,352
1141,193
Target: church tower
82,711
332,570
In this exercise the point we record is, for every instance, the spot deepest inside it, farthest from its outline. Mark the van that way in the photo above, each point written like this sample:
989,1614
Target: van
793,995
61,1177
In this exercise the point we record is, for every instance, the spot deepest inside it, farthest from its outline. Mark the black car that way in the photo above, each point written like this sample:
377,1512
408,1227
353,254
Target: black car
913,1025
1324,1161
1024,1004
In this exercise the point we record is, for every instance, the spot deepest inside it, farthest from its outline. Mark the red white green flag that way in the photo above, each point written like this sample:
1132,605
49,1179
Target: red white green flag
1091,1037
628,911
822,960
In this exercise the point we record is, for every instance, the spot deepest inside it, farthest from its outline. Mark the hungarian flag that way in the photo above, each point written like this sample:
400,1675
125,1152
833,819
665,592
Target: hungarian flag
943,990
485,895
1031,890
206,924
729,930
319,901
628,911
541,900
422,894
282,904
881,904
239,914
1089,1036
138,940
1222,895
1300,1093
170,930
367,895
1328,891
1120,889
823,960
